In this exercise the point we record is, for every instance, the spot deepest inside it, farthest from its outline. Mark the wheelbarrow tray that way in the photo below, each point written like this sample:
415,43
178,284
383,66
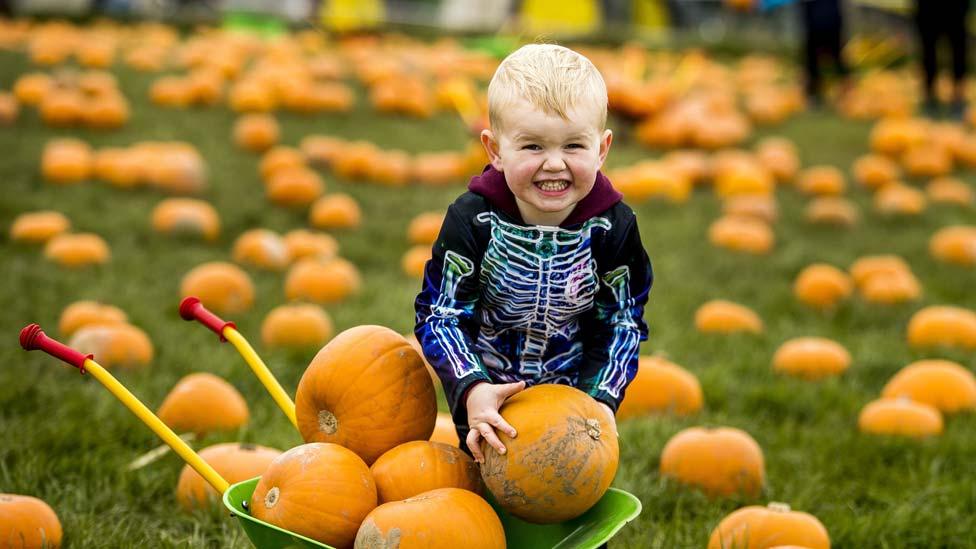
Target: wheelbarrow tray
590,530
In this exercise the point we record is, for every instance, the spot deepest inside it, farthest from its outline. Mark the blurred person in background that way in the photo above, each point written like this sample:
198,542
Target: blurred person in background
935,19
823,30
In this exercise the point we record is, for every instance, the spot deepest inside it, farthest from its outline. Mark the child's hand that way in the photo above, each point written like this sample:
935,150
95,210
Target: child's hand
483,403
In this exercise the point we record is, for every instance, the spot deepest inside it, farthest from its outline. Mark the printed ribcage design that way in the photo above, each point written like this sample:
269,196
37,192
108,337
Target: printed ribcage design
536,282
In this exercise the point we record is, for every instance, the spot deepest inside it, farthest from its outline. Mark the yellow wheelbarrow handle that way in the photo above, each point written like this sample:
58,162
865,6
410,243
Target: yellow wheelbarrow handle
192,309
32,337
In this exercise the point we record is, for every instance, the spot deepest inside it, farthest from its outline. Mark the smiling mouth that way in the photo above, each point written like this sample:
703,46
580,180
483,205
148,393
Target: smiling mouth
552,185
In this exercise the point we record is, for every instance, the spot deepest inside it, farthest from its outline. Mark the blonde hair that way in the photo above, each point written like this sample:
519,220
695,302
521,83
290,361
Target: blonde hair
552,78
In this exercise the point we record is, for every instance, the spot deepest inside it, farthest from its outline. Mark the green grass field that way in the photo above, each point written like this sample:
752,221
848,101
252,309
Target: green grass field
66,440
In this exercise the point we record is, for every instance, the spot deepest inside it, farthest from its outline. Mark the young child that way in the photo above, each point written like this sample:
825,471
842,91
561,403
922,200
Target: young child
538,274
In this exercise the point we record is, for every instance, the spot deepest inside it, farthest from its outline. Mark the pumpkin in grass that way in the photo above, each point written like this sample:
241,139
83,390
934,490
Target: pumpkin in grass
759,206
694,165
322,280
367,390
721,462
31,88
438,168
892,136
118,167
170,91
889,288
950,190
741,234
62,107
118,344
356,161
9,109
776,525
822,180
822,286
899,199
832,210
943,384
222,287
295,186
261,248
424,228
661,386
106,112
446,517
66,160
900,417
256,132
77,250
28,522
955,244
415,467
811,357
780,156
38,227
202,403
875,171
335,211
445,431
559,428
321,150
179,216
175,168
302,243
297,326
415,260
743,178
234,461
720,316
927,160
89,313
943,325
392,168
869,266
251,96
279,158
318,490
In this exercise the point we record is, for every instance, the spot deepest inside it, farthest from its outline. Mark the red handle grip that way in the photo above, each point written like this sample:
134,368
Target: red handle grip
192,309
32,338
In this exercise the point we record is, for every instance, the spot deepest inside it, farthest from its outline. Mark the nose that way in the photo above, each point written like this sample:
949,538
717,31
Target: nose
554,163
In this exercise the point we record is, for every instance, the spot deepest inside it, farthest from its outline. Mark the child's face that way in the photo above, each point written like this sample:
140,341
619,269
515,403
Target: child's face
549,163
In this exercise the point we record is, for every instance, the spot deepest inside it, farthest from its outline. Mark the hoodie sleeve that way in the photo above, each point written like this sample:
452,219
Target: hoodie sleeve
615,326
446,309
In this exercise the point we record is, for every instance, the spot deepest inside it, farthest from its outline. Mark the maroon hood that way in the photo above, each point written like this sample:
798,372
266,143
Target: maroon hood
491,185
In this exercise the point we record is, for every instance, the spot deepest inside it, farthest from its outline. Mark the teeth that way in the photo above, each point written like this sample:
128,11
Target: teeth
553,186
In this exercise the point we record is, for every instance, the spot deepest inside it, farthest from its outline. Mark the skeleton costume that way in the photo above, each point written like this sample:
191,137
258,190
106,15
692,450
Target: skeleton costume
503,301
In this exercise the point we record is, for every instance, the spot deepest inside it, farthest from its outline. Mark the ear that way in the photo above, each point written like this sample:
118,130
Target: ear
491,147
605,146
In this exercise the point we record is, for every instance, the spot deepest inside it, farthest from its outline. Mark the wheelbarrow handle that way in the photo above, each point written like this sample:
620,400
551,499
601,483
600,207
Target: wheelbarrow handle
192,309
33,338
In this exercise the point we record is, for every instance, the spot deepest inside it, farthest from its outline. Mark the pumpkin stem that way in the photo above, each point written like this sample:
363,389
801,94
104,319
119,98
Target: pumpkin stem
328,423
593,428
271,498
778,506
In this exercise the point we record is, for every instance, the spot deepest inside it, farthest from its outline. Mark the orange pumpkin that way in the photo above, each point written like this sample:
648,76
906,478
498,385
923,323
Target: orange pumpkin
757,527
119,167
832,210
720,316
943,384
446,517
892,136
424,228
297,326
943,326
170,91
31,88
663,387
335,211
222,287
875,171
721,462
106,112
415,260
322,150
367,390
822,180
77,250
900,417
302,243
743,178
415,467
780,156
949,190
321,491
62,107
811,357
118,344
66,160
26,521
261,248
822,286
899,199
175,168
279,158
888,288
559,428
927,159
38,227
322,280
869,266
438,168
234,461
759,206
89,313
256,132
295,186
186,216
445,431
742,234
202,403
251,96
955,244
9,109
356,161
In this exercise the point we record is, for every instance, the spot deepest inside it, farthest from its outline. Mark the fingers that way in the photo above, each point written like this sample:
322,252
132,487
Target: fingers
491,438
472,442
498,422
483,430
509,389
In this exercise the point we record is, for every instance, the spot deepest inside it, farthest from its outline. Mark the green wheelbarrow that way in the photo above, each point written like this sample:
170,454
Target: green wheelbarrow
590,530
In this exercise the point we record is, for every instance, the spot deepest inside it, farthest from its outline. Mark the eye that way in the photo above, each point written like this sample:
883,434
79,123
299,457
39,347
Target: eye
576,146
531,147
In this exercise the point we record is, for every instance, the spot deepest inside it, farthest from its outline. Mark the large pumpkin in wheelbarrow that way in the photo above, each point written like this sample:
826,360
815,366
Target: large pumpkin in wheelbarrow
561,461
367,390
